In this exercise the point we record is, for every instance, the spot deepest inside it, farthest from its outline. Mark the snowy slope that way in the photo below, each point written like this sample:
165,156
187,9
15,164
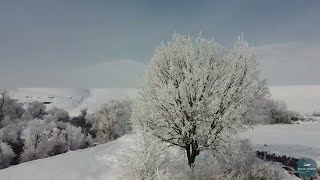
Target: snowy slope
96,163
100,162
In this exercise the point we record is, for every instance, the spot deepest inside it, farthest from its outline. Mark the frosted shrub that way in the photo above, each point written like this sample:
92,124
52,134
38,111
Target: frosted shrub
259,171
74,137
57,114
10,133
6,155
47,138
234,161
36,140
36,109
146,161
9,108
111,120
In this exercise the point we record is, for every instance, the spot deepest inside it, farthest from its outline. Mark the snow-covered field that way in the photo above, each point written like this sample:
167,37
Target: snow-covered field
297,140
101,162
72,100
96,163
303,99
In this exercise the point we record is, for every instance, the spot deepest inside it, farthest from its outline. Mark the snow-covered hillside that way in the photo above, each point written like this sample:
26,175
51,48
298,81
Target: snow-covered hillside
304,99
101,162
72,100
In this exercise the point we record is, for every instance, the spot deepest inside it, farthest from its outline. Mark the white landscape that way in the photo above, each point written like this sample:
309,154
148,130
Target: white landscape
303,99
101,162
159,90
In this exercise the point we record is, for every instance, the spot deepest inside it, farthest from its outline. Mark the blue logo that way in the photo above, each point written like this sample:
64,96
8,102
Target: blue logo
307,168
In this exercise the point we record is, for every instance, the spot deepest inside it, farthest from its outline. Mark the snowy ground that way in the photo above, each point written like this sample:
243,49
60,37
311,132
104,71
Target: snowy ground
303,99
297,140
101,162
96,163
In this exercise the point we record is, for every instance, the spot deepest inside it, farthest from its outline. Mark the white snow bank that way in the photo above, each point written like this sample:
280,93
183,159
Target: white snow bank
100,162
96,163
297,140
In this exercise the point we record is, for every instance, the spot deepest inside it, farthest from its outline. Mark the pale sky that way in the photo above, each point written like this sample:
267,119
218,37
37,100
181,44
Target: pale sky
100,43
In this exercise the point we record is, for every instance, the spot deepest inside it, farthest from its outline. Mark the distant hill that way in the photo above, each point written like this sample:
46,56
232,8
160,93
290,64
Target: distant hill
303,99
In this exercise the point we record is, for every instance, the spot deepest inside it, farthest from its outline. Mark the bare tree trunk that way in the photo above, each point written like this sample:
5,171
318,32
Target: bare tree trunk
192,153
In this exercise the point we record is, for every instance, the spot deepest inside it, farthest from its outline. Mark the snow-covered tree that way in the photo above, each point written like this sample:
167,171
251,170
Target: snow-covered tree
74,136
57,114
111,121
196,93
6,155
272,111
3,100
9,133
27,116
36,109
36,140
10,109
57,143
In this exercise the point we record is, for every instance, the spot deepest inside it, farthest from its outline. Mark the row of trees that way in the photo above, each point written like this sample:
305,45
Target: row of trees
270,111
29,131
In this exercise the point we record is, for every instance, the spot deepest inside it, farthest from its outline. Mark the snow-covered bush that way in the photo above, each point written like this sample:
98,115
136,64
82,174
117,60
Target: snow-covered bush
259,171
316,113
146,161
111,120
10,133
13,108
196,93
6,155
33,133
36,109
47,138
57,143
81,121
272,111
36,140
234,160
57,114
75,138
27,116
10,109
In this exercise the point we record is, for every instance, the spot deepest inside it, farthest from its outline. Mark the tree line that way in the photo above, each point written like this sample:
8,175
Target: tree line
29,131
